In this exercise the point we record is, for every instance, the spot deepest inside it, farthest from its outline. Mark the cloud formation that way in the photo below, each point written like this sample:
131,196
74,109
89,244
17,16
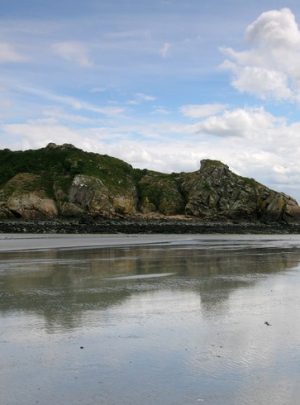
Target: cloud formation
9,54
276,28
270,67
72,102
201,110
140,98
73,51
165,49
244,123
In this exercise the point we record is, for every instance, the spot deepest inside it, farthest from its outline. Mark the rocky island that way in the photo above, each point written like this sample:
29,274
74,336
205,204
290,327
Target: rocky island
61,188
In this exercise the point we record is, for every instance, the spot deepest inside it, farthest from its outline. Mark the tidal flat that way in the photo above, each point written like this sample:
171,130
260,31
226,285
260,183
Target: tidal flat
149,319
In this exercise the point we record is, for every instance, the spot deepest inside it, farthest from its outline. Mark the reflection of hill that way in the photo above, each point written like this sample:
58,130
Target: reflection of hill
58,284
62,285
223,271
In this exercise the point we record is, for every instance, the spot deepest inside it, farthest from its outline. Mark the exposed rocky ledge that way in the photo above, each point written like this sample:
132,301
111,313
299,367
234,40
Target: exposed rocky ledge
62,183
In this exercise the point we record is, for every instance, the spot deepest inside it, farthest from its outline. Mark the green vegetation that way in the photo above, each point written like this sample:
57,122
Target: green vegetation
206,186
60,164
160,191
22,183
250,181
209,163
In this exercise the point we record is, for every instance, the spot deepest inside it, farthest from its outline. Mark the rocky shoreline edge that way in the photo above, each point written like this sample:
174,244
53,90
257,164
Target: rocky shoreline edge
129,226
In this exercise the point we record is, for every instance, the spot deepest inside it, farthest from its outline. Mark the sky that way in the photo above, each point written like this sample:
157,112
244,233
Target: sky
160,84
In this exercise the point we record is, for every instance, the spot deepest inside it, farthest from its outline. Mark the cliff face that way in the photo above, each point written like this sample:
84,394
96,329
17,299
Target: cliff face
63,181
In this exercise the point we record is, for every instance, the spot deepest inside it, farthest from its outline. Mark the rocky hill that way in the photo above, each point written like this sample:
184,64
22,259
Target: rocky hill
61,181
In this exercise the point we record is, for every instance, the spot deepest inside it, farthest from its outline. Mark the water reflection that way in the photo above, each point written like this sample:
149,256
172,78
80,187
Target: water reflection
61,285
165,324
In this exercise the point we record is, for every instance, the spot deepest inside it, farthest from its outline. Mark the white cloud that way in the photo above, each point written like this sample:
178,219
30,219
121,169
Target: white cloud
145,97
263,83
72,51
37,134
270,67
57,115
140,98
72,102
161,110
201,110
9,54
165,49
274,28
238,123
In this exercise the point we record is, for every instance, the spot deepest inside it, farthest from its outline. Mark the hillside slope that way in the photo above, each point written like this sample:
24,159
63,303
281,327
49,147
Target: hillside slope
63,181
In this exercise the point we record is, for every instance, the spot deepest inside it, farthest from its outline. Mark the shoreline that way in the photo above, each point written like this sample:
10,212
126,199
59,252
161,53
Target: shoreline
37,242
149,226
14,243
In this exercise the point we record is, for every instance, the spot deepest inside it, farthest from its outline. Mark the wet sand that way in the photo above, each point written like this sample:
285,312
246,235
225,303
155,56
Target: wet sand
149,319
15,242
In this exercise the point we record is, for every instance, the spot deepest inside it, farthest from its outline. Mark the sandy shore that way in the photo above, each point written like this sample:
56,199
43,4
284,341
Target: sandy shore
25,242
16,242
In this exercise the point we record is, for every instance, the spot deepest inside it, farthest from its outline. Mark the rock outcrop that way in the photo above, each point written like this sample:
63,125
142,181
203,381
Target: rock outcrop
214,191
23,196
160,193
63,181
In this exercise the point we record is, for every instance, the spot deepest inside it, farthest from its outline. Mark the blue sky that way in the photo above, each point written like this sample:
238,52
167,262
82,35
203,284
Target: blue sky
160,84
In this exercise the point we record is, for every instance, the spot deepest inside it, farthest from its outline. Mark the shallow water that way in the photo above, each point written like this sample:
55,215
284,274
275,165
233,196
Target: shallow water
179,322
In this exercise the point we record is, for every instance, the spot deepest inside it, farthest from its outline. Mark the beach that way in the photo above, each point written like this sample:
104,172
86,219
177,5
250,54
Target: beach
131,319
